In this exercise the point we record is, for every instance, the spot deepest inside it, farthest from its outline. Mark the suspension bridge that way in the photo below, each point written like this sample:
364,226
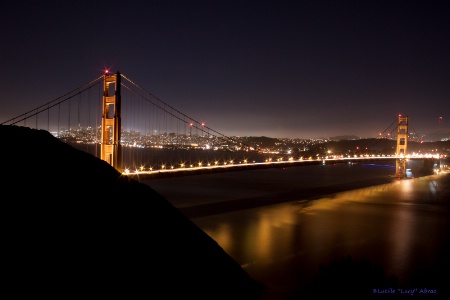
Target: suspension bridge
136,132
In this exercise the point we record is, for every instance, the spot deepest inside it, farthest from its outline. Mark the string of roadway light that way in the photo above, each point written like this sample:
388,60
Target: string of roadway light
231,164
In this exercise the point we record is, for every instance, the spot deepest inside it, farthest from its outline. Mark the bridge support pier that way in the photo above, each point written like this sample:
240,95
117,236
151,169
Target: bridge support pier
402,143
111,121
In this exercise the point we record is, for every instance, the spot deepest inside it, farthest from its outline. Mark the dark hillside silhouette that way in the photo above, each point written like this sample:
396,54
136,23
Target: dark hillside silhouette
73,226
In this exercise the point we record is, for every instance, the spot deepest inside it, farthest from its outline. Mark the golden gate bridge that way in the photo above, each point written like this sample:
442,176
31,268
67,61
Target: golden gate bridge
116,120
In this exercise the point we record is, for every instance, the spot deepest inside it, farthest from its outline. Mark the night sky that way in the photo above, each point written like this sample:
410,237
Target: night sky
285,69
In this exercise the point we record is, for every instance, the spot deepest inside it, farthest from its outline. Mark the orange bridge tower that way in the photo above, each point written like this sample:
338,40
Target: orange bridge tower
402,144
111,121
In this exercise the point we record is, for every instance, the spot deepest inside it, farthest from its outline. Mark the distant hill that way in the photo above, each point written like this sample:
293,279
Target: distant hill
75,227
377,146
344,137
260,141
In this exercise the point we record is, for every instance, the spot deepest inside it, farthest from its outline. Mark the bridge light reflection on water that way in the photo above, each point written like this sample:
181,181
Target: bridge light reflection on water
395,225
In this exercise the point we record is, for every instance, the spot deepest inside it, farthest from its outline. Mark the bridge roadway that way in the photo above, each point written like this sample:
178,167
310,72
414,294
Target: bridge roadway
208,169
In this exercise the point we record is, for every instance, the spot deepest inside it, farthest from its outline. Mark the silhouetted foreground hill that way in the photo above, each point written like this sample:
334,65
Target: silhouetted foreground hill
73,226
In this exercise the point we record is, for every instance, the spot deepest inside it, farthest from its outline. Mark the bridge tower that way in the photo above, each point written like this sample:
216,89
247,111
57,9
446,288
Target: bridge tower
111,121
402,143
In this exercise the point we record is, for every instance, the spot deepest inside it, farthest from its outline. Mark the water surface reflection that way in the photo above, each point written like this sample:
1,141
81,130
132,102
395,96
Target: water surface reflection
403,226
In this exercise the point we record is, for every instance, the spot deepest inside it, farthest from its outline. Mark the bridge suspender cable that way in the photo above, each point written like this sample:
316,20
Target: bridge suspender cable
222,136
47,105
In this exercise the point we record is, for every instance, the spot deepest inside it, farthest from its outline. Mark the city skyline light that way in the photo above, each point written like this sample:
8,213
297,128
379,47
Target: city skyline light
283,69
